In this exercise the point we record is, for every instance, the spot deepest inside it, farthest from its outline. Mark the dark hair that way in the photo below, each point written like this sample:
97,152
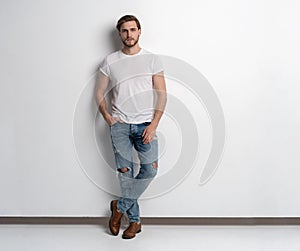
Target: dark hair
127,18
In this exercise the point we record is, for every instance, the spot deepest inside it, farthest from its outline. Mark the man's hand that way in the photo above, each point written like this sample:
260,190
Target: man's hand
149,133
110,120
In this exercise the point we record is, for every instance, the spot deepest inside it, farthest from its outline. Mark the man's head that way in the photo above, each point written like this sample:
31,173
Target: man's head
129,30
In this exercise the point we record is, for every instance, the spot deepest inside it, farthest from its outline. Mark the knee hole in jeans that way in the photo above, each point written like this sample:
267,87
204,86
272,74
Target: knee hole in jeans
155,165
123,169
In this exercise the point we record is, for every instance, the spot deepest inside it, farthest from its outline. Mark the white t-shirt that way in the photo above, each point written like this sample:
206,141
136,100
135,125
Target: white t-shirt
131,84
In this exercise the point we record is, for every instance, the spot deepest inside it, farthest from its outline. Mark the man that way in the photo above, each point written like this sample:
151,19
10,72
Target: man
135,78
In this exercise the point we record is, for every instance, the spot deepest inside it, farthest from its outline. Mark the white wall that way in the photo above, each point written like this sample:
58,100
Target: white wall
53,159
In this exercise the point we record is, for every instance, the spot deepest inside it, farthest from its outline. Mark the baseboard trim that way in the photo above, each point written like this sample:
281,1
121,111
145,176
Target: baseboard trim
157,220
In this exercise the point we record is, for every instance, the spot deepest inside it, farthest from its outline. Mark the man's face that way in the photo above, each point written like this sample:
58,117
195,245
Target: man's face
129,33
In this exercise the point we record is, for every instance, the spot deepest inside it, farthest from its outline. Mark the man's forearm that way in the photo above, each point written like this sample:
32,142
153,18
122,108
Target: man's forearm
160,107
102,84
156,118
102,108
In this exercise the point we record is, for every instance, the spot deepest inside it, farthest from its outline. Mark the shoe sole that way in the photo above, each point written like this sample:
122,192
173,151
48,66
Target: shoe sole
130,237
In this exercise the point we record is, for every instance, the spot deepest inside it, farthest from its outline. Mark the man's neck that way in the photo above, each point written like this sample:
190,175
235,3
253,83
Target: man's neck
131,50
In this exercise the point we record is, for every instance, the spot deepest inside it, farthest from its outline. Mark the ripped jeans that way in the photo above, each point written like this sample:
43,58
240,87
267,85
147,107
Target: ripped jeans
124,137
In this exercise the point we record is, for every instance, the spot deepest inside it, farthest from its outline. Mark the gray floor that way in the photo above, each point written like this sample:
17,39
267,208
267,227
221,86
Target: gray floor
154,238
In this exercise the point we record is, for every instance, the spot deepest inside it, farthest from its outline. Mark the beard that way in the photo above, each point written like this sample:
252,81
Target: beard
128,43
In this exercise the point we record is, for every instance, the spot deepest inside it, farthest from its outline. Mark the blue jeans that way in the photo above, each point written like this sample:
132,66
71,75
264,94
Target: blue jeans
124,137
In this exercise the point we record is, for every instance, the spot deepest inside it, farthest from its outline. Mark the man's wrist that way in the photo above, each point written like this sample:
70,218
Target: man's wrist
155,122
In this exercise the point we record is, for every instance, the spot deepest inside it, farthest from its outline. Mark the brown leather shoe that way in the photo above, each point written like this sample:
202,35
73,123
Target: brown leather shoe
115,219
133,229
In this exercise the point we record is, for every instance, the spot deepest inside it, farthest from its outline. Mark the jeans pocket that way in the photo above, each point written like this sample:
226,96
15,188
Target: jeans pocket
114,124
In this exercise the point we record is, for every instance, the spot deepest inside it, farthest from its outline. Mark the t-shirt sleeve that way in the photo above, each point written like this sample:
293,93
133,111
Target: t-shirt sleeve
104,67
157,65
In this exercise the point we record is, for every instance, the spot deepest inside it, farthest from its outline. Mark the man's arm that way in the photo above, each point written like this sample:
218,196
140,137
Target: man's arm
159,85
101,87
